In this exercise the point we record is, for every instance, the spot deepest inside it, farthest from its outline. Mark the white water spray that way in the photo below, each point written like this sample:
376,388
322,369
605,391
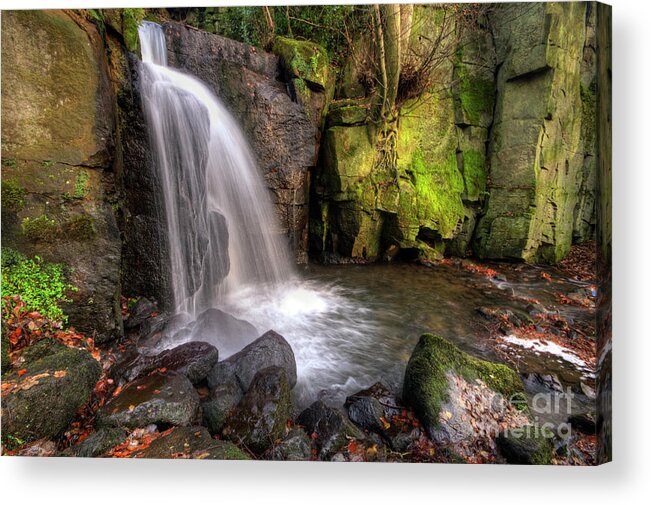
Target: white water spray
220,222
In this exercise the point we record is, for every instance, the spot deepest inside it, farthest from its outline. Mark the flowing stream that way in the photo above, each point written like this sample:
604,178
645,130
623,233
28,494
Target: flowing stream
349,326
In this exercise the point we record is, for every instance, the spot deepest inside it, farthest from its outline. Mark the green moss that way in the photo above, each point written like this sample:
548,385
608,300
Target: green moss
475,94
131,19
40,228
588,113
9,162
439,189
303,59
474,174
13,195
80,227
42,286
426,383
528,445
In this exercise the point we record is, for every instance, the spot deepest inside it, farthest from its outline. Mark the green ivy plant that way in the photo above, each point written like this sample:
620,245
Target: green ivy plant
41,285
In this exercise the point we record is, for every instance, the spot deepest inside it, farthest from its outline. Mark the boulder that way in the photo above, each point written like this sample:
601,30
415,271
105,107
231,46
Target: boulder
296,446
441,383
526,446
223,399
271,349
99,442
141,311
303,59
160,398
260,418
330,426
223,330
190,442
192,359
583,423
43,400
366,412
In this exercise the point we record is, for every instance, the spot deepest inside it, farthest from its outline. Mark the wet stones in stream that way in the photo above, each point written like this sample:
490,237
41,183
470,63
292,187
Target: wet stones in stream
192,442
330,428
192,359
221,329
260,418
160,398
271,349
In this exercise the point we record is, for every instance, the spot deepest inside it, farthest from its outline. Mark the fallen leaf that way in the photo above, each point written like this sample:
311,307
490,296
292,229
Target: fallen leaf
132,408
22,372
60,374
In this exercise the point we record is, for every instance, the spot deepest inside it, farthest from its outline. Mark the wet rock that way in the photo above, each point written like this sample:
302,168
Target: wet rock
525,446
271,349
154,331
159,398
190,442
223,330
141,311
296,446
438,378
588,391
259,419
44,400
371,409
192,359
99,442
331,427
536,382
583,423
223,399
365,412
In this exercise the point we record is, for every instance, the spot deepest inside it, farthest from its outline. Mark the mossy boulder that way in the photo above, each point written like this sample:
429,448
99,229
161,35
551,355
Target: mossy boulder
432,365
160,398
528,445
260,418
304,59
45,398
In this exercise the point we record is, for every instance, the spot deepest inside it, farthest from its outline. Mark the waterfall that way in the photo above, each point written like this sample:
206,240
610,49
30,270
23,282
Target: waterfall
222,231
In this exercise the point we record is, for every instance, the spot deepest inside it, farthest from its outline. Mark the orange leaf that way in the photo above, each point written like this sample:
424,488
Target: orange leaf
22,372
117,391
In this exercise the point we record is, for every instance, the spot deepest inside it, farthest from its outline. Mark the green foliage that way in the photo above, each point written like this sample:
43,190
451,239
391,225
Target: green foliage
13,195
322,24
9,162
131,19
81,182
40,228
42,286
48,163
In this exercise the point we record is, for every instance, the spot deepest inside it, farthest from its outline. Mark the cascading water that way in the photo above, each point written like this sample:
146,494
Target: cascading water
221,227
348,328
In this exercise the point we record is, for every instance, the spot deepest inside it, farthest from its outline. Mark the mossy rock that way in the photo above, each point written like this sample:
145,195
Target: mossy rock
190,442
260,418
304,59
527,445
348,114
425,386
57,381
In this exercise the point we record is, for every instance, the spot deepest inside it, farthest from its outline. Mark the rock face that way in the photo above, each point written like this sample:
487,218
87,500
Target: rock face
159,398
43,401
275,117
437,382
502,166
271,349
536,148
58,147
259,419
